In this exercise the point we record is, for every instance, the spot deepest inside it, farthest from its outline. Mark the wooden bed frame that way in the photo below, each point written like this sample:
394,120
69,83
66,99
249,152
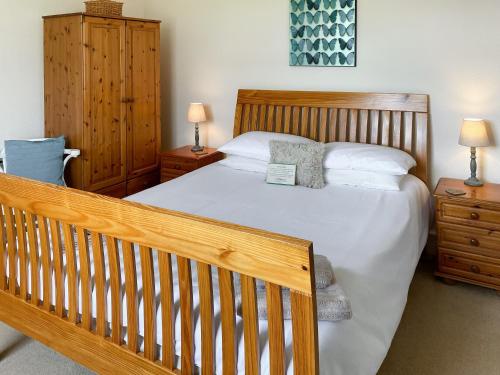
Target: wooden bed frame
31,210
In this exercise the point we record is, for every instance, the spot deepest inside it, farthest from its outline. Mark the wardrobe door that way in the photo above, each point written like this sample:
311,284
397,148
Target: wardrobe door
104,151
143,96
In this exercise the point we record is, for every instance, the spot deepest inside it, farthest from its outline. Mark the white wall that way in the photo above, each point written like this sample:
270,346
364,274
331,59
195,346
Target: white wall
21,62
449,49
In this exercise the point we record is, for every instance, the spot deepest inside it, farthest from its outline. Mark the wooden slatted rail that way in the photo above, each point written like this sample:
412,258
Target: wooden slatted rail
71,232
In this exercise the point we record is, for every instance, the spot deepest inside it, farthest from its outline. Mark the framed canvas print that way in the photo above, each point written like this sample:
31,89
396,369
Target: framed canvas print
323,33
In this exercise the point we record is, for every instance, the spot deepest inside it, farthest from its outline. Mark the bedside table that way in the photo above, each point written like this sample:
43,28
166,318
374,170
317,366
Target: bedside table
178,162
468,233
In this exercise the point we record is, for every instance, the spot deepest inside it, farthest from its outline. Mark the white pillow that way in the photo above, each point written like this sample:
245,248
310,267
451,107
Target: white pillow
362,179
245,164
370,158
255,145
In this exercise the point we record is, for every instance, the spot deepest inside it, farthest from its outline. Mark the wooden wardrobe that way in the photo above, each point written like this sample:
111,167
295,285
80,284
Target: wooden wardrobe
102,92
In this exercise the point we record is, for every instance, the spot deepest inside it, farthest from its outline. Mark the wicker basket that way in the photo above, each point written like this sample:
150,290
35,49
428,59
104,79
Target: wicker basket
104,7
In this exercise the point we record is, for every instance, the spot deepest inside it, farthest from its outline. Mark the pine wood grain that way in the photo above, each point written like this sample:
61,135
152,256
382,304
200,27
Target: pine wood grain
71,267
3,253
46,263
250,325
100,284
276,329
207,318
116,290
167,309
228,321
149,302
187,318
34,259
21,252
58,264
129,265
85,278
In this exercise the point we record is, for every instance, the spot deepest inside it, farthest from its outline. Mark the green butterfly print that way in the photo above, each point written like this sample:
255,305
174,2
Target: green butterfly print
316,17
349,16
346,44
313,59
349,3
329,59
298,5
329,44
297,59
330,4
298,46
313,4
327,31
298,19
346,60
313,31
349,30
298,32
313,45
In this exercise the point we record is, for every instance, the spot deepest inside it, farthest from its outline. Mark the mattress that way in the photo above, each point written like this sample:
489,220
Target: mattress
373,238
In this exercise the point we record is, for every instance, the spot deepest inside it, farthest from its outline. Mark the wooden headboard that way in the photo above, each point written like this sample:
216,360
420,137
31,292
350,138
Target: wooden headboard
395,120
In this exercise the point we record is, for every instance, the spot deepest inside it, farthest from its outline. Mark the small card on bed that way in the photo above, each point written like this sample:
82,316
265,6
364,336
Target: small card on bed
281,174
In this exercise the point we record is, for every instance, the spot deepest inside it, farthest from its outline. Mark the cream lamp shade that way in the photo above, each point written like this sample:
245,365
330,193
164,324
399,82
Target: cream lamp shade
196,113
474,133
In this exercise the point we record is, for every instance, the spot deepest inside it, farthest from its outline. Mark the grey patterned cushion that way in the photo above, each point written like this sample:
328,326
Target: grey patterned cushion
307,157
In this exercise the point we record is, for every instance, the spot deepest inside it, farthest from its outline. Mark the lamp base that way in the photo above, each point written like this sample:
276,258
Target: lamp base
197,148
473,181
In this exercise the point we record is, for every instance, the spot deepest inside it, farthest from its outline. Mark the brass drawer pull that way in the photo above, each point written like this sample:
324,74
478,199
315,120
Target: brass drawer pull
475,269
474,242
474,216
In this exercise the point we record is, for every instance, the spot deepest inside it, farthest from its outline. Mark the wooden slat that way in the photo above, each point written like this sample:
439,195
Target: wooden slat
22,253
408,120
279,120
250,325
262,118
364,131
115,281
130,268
11,248
396,129
187,320
245,126
58,261
304,122
296,121
3,253
343,125
46,263
100,284
228,321
287,120
305,334
34,259
85,278
348,100
254,120
386,127
205,289
238,115
313,124
167,309
71,269
276,330
270,119
353,125
421,147
374,125
149,302
333,125
323,125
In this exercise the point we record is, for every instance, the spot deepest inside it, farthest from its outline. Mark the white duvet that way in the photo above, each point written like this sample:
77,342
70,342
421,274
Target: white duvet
374,240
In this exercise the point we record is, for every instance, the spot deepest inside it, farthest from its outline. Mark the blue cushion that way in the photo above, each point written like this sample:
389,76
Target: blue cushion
38,160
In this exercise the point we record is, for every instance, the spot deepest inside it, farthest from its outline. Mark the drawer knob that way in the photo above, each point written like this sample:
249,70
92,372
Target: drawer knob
474,216
177,166
475,269
474,242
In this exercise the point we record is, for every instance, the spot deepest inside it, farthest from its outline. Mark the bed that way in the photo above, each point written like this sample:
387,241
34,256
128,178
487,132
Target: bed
170,305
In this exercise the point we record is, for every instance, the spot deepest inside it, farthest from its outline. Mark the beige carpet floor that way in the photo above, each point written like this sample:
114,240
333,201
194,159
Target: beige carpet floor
446,330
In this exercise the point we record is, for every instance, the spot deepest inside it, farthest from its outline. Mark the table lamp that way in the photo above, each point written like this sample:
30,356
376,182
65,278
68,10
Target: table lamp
473,135
196,114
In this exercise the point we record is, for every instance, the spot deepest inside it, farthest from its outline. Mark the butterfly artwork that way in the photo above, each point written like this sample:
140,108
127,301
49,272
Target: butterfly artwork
323,33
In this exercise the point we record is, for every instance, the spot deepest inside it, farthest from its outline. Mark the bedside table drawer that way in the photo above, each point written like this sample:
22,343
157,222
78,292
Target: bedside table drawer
453,263
179,165
171,174
485,216
472,240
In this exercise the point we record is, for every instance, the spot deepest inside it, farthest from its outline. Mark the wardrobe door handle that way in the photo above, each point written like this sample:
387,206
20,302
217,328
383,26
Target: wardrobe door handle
475,269
474,242
474,216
